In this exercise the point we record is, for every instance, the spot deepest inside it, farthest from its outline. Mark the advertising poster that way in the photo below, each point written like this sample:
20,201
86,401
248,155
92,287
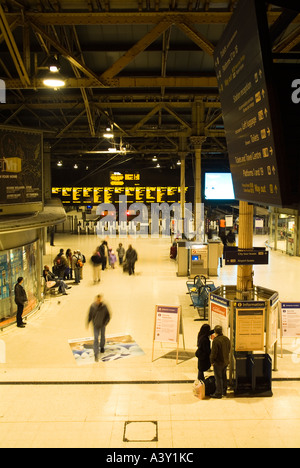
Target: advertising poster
290,319
219,312
20,167
250,325
116,347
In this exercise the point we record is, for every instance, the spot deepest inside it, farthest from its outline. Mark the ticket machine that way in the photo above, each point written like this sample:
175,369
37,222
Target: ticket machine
198,259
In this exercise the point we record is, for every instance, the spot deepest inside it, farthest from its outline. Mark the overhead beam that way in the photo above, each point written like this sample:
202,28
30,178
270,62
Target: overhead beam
66,53
196,37
97,18
13,49
141,45
126,82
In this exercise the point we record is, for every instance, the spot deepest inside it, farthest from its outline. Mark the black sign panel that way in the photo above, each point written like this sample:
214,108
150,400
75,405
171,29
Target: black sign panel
246,257
287,78
243,67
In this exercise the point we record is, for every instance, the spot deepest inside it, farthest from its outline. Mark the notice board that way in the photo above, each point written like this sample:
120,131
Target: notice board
290,319
249,326
243,64
167,326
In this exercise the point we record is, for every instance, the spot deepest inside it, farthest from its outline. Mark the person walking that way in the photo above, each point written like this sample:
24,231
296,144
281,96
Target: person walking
131,258
121,253
203,350
96,262
103,249
100,316
112,258
20,300
219,358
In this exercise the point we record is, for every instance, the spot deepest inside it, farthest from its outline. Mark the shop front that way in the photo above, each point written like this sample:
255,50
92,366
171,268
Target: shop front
283,228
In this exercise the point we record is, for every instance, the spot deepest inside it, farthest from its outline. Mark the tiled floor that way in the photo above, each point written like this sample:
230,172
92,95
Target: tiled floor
48,400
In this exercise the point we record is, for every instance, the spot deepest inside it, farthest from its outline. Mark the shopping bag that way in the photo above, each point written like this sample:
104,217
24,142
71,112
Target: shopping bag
199,389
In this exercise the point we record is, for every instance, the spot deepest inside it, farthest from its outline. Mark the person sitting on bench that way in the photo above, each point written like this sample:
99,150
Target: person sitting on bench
49,276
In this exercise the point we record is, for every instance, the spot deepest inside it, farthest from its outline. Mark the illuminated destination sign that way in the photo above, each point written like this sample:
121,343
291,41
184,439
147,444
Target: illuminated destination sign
120,179
97,195
243,65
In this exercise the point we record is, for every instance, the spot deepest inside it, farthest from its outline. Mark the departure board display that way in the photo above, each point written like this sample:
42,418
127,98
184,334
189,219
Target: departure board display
120,179
97,195
243,67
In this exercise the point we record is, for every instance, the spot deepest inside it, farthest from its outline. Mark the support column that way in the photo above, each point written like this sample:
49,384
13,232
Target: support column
182,185
197,141
47,171
245,272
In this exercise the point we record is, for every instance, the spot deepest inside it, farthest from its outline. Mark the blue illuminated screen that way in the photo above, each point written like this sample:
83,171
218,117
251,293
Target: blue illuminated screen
218,186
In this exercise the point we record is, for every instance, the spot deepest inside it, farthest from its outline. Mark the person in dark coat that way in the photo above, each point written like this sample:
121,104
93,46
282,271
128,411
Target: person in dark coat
203,350
100,316
131,258
20,300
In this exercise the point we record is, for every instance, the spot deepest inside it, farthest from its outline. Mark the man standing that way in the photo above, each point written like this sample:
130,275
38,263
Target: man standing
219,358
20,299
100,316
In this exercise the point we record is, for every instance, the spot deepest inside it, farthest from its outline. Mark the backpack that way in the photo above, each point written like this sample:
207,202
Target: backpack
78,263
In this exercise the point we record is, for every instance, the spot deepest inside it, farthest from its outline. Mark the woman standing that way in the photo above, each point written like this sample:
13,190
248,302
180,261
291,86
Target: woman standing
203,350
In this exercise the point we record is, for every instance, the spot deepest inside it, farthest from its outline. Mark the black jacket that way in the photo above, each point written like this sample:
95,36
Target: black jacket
220,350
203,352
99,315
20,294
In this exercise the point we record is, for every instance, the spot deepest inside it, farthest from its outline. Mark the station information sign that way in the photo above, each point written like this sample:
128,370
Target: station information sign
243,66
97,195
122,179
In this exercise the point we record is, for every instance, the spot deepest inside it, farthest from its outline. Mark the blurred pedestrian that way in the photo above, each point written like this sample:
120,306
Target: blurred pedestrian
121,253
100,316
97,263
131,258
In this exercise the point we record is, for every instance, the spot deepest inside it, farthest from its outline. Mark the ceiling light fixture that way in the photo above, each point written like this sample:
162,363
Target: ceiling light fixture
53,78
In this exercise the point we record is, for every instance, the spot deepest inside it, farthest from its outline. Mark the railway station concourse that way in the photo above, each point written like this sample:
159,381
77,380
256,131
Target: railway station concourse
141,112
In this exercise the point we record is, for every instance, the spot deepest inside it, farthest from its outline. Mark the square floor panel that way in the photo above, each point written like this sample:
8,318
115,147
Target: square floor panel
140,431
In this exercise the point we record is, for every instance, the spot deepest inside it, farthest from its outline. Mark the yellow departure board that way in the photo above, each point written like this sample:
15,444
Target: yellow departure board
97,195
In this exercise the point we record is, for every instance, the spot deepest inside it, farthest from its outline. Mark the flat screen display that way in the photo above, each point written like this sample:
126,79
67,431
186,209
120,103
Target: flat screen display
218,186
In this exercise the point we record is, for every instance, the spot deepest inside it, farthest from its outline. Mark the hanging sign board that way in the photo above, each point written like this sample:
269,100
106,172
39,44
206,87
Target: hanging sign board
249,326
243,65
255,256
290,319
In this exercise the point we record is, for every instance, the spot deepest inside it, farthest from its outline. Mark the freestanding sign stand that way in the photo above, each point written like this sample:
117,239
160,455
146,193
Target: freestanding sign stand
168,326
289,321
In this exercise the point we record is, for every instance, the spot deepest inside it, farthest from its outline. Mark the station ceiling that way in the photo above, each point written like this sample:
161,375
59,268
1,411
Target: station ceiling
144,68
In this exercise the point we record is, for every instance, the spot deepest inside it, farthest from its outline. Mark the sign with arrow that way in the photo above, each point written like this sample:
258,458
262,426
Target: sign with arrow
243,65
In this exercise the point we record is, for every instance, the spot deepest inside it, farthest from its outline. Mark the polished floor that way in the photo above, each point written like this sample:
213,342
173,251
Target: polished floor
48,400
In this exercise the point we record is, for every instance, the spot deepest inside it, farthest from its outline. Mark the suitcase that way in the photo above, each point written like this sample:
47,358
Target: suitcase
199,389
210,385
